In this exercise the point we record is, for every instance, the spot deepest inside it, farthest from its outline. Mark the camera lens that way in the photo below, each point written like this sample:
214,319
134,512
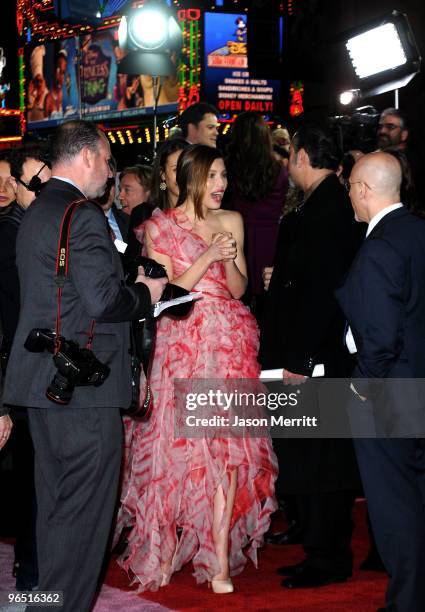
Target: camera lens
60,390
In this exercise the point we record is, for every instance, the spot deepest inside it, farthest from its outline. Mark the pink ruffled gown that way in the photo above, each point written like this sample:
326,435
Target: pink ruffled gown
169,483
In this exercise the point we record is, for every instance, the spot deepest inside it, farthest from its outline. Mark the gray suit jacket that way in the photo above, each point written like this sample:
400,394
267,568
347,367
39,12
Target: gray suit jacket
95,290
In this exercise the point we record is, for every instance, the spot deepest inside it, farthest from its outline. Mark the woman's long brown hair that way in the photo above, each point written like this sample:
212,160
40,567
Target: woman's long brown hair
252,167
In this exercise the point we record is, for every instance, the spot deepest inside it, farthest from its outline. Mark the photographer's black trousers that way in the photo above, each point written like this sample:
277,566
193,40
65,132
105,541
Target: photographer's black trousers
77,466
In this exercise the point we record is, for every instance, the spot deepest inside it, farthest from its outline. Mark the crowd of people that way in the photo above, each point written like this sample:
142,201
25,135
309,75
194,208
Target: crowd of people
306,261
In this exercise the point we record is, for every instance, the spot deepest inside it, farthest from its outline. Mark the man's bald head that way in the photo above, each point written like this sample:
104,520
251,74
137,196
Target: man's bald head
375,182
381,171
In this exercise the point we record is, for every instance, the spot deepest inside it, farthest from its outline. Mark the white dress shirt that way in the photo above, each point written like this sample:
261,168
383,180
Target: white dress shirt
67,180
113,224
385,211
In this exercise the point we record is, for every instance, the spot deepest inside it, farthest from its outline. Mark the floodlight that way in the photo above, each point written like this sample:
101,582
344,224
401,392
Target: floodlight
384,54
377,50
151,27
148,29
150,34
349,97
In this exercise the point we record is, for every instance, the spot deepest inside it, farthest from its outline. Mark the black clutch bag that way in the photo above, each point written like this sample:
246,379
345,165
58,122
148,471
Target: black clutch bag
153,269
143,335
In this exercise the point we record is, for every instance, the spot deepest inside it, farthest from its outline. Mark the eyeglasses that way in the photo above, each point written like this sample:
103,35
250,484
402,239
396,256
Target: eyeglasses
388,126
349,184
35,183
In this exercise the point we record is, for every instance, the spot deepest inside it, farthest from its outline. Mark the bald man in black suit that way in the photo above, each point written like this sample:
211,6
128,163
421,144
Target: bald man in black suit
383,299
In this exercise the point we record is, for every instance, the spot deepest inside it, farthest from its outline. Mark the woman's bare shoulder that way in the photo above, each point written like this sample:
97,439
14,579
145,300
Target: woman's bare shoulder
228,217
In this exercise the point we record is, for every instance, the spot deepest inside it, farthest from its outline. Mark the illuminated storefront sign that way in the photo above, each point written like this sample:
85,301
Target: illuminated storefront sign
228,84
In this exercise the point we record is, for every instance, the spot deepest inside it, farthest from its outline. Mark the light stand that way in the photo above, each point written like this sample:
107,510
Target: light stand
155,92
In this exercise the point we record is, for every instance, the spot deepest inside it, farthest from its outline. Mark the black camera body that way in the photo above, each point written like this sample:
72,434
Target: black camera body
153,269
77,367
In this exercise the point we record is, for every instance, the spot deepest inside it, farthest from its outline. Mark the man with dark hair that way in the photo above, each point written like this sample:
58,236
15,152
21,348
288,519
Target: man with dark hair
29,170
392,129
199,124
73,138
302,333
77,446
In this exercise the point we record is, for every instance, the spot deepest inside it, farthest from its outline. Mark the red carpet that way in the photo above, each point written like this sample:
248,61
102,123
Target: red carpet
260,589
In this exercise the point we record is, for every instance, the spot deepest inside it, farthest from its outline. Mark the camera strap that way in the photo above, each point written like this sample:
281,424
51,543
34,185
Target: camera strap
62,264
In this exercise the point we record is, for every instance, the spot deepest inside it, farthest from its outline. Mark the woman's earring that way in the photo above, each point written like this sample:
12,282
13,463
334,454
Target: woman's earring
163,185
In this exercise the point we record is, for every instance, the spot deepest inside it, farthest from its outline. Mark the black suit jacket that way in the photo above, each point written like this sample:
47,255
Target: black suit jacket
304,326
303,323
383,298
139,215
9,282
95,290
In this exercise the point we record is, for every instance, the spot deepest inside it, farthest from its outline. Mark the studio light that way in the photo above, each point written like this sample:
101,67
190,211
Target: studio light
351,96
384,54
377,50
148,29
152,38
149,34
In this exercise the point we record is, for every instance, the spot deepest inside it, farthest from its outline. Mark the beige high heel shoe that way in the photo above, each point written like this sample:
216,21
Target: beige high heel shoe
221,586
166,570
166,575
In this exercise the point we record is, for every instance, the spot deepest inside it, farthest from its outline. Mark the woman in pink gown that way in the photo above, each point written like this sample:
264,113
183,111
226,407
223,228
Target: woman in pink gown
207,500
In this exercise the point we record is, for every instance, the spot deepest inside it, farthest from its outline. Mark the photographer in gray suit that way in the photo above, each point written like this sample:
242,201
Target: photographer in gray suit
74,422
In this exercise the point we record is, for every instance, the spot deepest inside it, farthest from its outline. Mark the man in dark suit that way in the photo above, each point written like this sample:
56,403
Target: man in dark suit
383,298
302,331
78,446
29,172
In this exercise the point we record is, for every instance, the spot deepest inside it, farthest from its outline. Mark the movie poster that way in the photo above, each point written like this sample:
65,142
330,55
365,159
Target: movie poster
51,79
98,74
53,84
4,87
227,82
